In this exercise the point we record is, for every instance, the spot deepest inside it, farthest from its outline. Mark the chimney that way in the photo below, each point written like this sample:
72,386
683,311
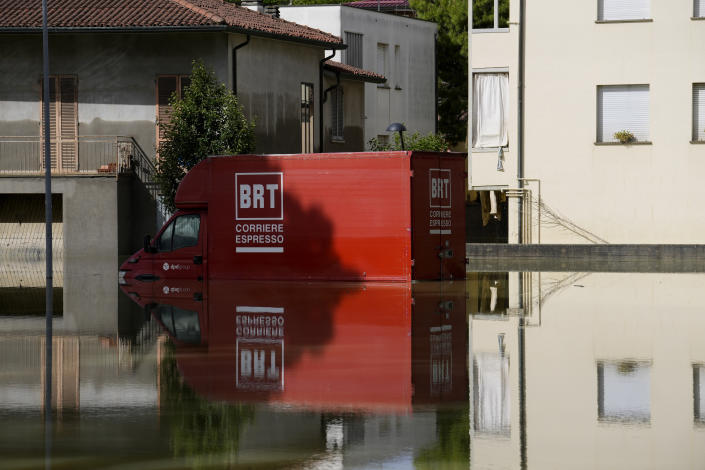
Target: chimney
272,10
254,5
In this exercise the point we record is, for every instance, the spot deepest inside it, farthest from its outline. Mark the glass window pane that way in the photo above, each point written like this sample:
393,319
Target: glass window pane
186,231
164,243
186,326
624,391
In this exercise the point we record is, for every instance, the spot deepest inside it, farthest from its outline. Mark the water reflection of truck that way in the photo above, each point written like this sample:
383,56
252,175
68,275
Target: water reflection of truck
324,345
385,216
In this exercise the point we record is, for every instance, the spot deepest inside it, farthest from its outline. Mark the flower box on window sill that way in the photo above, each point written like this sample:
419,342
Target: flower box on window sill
626,144
697,142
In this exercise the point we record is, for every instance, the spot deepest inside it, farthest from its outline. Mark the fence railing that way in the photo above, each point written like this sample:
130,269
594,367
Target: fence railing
95,154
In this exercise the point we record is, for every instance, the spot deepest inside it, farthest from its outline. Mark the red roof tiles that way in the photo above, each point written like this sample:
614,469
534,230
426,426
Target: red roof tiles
129,14
354,72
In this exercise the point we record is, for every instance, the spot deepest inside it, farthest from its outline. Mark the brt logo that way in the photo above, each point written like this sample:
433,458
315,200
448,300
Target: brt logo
439,188
259,196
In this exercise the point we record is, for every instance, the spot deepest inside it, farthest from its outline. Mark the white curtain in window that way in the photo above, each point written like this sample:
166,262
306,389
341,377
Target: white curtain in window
699,111
623,9
491,396
622,108
698,8
490,110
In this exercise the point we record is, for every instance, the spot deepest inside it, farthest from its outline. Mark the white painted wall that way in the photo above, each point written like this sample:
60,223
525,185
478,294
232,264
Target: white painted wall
623,194
408,96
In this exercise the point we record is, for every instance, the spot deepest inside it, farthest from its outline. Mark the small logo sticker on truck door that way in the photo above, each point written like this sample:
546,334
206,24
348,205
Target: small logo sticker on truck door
259,212
439,201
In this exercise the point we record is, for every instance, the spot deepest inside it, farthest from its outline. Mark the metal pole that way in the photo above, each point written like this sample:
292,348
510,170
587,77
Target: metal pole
48,220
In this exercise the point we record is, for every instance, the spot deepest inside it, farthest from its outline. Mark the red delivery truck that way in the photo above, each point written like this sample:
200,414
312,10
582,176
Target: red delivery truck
317,345
374,216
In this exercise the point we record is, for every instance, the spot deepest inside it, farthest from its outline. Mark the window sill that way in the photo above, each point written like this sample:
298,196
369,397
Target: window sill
492,150
337,140
606,144
384,87
697,142
697,18
643,20
397,87
489,30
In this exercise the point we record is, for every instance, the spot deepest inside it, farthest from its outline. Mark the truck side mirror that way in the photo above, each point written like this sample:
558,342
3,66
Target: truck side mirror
147,244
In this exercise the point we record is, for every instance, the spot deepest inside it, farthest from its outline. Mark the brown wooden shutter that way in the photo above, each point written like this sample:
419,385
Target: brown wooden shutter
68,124
166,86
53,123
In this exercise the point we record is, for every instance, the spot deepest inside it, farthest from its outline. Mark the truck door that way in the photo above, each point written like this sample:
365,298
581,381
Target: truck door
426,210
452,233
180,248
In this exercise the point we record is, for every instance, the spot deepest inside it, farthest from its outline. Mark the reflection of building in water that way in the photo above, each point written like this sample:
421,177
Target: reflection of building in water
613,372
491,398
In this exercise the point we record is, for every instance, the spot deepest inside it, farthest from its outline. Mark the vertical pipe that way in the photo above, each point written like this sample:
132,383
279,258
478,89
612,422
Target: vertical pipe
48,252
522,378
520,117
435,83
320,99
234,62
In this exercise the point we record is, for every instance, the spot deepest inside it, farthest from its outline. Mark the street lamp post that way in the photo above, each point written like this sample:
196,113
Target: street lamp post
398,127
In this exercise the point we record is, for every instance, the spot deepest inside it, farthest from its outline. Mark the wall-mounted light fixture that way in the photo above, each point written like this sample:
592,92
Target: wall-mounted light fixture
500,159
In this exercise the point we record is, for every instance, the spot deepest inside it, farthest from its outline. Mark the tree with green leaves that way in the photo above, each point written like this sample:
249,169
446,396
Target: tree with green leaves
208,120
430,143
452,61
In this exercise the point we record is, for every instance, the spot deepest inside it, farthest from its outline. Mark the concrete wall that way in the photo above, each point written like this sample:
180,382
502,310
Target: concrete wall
621,193
353,123
116,78
408,96
269,77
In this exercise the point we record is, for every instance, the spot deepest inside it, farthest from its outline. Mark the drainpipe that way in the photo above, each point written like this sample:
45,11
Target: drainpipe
320,100
247,41
435,83
520,117
332,87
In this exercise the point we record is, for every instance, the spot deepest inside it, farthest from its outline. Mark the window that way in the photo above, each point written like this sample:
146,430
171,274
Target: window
383,61
306,118
337,124
698,8
491,395
623,10
622,108
624,391
168,85
698,112
181,233
398,77
490,14
182,324
490,110
699,393
353,54
63,122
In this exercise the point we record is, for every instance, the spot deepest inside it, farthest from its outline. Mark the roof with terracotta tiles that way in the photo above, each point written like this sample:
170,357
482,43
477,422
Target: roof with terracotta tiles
25,15
383,5
354,72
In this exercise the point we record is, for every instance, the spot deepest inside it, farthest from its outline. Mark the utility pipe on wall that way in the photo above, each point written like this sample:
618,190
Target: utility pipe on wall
520,116
234,60
320,100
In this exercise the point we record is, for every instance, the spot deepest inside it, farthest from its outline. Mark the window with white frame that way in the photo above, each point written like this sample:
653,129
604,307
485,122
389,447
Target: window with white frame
353,54
624,391
622,110
336,103
699,393
490,110
699,112
398,78
698,8
623,10
490,14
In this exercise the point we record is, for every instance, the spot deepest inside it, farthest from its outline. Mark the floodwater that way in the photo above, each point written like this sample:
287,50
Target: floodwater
505,370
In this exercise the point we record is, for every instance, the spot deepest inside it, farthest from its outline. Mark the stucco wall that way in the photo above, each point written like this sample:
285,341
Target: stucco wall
408,97
622,194
269,77
353,123
116,78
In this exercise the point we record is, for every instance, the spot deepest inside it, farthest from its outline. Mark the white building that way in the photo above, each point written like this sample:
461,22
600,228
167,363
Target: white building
400,48
602,67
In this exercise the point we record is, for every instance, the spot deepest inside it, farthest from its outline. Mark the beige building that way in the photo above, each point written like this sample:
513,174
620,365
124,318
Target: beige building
609,67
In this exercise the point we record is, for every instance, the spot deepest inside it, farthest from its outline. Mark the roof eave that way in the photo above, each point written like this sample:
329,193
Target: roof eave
114,29
352,76
285,37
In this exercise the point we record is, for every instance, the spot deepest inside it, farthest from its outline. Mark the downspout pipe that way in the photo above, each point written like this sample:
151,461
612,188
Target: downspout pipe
234,64
520,114
321,97
332,87
435,83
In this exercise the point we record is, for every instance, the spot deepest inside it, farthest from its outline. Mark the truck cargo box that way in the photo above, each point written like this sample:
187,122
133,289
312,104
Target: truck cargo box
375,216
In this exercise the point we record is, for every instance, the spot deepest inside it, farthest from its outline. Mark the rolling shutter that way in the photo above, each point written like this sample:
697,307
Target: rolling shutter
698,8
166,86
699,111
622,108
353,54
614,10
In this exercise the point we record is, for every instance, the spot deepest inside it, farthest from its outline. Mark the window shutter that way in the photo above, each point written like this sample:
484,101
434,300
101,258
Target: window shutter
623,10
68,124
166,86
623,107
699,111
353,54
337,113
698,8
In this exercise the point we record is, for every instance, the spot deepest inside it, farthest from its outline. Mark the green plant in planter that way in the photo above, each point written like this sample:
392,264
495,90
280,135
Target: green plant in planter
624,137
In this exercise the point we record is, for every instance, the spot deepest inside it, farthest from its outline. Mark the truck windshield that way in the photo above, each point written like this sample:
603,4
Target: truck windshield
182,232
